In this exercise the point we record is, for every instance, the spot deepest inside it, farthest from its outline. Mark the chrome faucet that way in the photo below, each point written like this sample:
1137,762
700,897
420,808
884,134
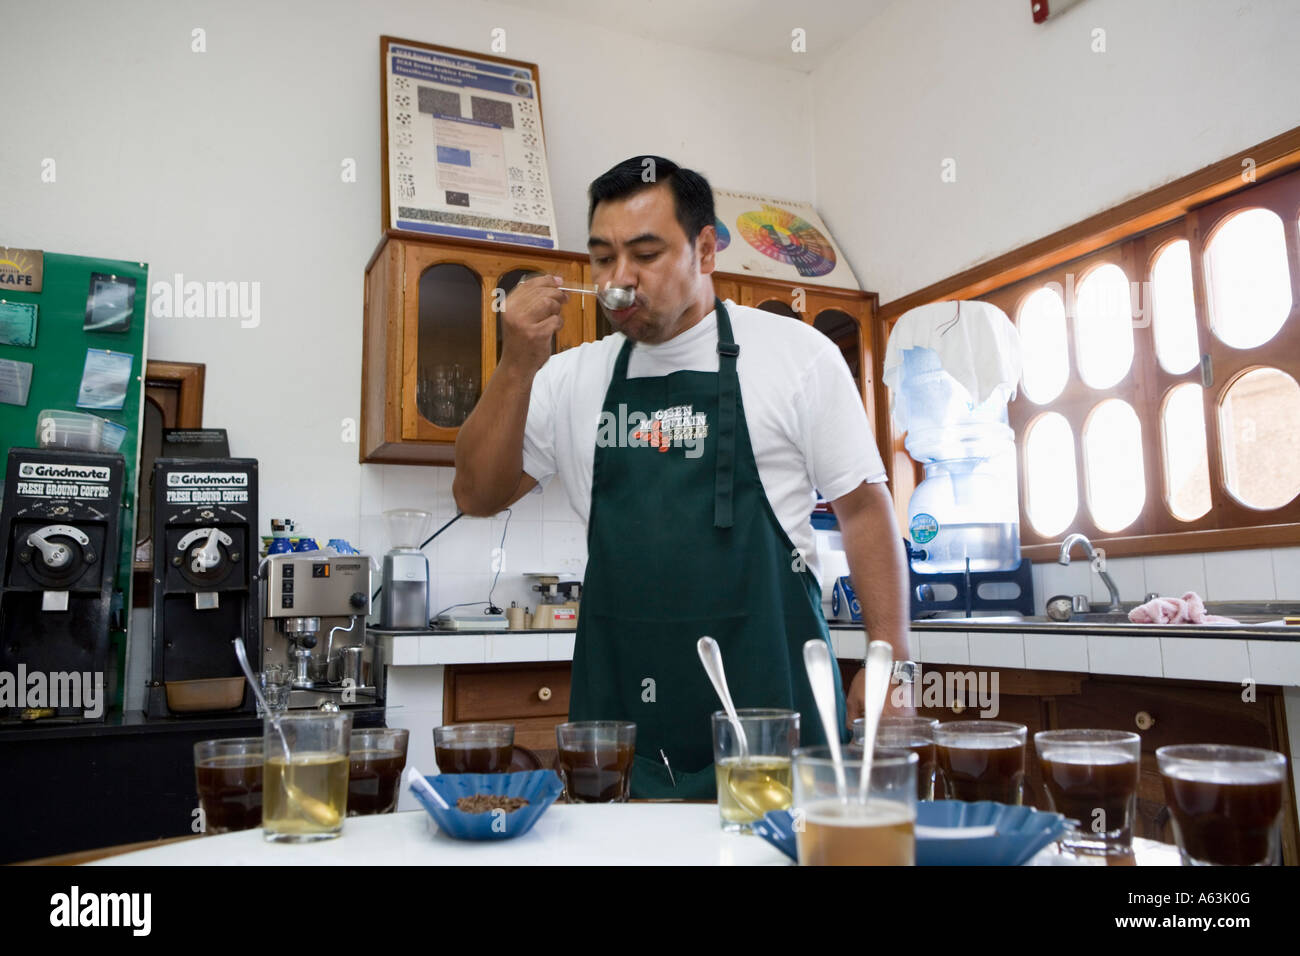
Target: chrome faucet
1064,558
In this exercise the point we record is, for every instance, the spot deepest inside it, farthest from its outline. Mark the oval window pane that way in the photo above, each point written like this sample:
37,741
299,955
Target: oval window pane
1187,465
1051,481
1246,271
1042,343
1261,444
1103,327
1173,320
1112,461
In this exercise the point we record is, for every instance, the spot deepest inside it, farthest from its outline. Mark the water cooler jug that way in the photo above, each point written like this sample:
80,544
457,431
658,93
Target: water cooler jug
951,397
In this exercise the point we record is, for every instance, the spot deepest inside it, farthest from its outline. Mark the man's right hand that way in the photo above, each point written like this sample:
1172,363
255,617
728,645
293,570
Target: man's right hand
531,318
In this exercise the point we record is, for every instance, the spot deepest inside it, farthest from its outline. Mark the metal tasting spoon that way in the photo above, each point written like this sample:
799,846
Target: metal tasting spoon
613,298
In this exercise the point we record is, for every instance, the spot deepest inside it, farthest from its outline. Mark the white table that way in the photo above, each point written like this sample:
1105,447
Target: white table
638,834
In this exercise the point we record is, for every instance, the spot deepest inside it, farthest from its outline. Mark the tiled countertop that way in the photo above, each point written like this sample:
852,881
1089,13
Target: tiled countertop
1225,654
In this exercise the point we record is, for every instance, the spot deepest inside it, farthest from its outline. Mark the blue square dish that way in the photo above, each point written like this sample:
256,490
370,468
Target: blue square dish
956,833
539,787
953,833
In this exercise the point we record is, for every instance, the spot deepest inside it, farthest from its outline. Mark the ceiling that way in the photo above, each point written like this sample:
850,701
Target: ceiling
755,29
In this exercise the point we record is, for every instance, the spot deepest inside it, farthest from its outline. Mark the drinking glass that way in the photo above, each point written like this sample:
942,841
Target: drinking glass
1091,776
376,759
880,831
594,758
277,684
980,760
228,778
761,783
474,748
305,798
907,733
1225,802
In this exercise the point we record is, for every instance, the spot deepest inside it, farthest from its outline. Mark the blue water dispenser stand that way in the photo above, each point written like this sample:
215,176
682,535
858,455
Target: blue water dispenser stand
967,584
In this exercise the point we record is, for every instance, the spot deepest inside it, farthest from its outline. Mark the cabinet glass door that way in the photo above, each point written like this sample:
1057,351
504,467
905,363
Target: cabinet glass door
450,337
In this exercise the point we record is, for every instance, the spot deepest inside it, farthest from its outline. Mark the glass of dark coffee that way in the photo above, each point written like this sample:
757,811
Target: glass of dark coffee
228,777
1225,802
907,733
474,748
980,760
594,758
1091,777
376,759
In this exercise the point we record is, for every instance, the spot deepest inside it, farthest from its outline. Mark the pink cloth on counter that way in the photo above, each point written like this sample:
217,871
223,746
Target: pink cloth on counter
1188,609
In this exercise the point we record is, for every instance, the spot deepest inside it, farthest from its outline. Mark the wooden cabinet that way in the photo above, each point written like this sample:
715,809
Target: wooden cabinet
432,335
432,308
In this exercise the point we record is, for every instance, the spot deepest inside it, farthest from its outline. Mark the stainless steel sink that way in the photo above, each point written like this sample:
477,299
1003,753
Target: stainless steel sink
1247,612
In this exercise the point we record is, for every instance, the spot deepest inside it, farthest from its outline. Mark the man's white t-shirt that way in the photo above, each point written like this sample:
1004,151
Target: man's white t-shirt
807,425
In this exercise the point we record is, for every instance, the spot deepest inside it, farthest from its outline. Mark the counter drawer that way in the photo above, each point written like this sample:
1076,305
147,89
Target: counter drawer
505,692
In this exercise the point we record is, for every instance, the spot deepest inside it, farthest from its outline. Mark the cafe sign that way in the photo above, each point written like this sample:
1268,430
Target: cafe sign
21,270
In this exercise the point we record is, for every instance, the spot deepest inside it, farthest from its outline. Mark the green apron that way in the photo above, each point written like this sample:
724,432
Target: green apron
682,542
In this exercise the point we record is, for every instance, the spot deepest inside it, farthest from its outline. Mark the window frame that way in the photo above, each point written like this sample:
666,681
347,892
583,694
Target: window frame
1131,235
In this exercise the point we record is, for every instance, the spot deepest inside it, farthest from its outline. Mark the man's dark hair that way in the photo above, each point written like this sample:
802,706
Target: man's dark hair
692,195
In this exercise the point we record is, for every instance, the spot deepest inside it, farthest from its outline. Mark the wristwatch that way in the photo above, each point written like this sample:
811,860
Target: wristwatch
904,672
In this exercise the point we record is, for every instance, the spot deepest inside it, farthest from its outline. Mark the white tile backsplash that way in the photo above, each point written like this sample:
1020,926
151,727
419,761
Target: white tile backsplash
1129,575
1286,573
1173,575
1056,652
555,503
996,649
1073,578
1239,575
411,486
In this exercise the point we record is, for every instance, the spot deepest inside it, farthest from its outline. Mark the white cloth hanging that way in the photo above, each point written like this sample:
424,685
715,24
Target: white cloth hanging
975,341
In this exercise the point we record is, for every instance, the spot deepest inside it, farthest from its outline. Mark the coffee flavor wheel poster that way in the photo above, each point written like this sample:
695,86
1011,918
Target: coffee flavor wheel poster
777,239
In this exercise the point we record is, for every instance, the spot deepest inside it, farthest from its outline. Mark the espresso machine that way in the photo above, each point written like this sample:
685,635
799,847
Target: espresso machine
60,531
314,609
204,593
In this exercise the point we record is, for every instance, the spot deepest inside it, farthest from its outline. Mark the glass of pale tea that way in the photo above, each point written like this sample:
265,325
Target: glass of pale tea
305,796
1225,803
1091,777
228,778
474,748
594,758
907,733
980,760
761,782
376,759
877,831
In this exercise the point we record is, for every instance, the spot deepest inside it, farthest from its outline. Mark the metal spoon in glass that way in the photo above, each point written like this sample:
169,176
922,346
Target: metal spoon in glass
317,810
755,790
822,679
880,660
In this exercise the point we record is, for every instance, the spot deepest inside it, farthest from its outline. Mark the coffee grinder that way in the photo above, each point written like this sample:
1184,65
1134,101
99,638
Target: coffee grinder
204,584
404,604
59,543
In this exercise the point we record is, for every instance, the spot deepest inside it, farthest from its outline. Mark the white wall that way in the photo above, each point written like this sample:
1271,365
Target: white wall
1044,131
225,166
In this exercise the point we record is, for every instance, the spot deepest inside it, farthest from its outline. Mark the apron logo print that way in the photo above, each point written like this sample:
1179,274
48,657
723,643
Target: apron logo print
679,425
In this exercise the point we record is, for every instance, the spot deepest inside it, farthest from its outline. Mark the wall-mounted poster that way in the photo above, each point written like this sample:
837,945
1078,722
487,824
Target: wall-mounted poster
463,150
777,239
